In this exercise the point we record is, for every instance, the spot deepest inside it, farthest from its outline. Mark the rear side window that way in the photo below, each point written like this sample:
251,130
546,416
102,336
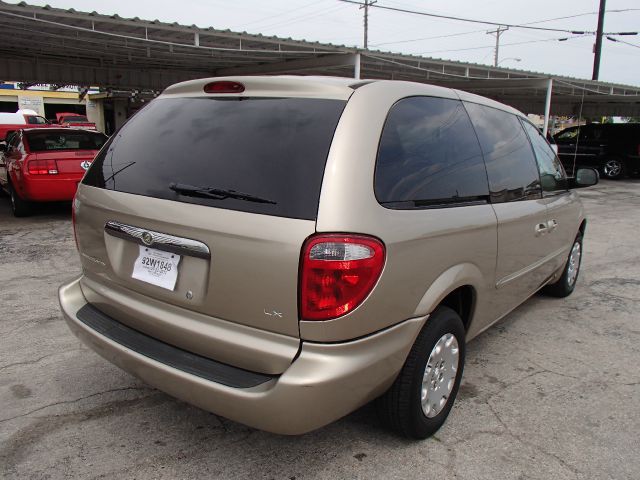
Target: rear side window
511,166
594,133
552,176
568,134
429,156
271,148
43,141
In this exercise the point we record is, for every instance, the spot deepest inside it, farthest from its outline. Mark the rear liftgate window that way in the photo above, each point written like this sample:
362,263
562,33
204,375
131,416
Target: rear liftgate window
258,155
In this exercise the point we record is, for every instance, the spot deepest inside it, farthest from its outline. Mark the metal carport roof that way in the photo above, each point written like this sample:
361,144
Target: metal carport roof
50,45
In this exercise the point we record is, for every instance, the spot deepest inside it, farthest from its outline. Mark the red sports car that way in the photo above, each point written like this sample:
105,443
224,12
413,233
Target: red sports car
45,165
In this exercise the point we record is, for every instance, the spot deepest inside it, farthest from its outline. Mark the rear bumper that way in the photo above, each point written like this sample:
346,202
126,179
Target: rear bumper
324,383
50,188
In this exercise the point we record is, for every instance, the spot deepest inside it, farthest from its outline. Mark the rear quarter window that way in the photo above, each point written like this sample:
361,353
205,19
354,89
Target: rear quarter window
272,148
429,156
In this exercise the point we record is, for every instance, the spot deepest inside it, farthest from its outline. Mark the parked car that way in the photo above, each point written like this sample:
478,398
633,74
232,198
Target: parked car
612,148
45,165
74,120
14,121
283,250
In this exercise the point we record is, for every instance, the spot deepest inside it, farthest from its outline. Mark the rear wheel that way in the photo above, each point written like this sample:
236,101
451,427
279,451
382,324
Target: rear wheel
613,168
420,399
566,284
19,207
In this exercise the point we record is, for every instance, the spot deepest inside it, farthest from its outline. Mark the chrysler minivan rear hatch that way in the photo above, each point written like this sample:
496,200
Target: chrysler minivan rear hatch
203,203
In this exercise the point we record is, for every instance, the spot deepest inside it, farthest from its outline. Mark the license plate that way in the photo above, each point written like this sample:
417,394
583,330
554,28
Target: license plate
156,267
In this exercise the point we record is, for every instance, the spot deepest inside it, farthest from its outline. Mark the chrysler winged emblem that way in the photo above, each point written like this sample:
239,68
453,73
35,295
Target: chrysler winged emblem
147,238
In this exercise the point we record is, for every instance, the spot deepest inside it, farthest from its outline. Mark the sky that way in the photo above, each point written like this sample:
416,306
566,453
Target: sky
336,22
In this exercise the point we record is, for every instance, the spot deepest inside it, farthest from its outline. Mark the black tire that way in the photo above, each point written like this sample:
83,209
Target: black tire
19,207
613,168
400,408
564,286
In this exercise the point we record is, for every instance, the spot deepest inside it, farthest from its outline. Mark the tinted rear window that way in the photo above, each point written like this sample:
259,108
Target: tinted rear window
77,119
273,148
43,141
511,166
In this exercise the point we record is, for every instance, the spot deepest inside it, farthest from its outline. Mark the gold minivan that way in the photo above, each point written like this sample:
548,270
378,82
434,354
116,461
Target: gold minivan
283,250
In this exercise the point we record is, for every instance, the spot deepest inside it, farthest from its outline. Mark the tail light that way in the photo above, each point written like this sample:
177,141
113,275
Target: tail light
42,167
337,274
224,86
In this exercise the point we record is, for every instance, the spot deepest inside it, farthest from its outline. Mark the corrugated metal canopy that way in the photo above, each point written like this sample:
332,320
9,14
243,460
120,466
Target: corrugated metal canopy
49,45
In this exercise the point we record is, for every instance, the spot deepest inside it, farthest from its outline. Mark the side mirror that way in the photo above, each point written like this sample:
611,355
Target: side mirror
585,177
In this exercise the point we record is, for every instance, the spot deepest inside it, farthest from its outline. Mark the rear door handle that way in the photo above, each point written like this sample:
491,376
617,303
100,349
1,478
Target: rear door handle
552,224
541,229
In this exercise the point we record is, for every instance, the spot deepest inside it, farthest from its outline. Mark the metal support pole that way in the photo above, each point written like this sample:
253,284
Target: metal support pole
547,108
356,66
598,47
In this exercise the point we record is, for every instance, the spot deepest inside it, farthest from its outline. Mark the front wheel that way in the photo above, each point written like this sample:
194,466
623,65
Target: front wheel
566,284
420,399
613,168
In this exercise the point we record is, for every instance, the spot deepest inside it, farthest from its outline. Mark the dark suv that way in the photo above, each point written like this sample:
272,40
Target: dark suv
612,148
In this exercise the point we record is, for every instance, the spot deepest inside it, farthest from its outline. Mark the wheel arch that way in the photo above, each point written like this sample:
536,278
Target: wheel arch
457,288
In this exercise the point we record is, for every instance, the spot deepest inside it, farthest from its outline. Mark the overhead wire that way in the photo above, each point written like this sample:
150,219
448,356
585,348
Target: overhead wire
617,40
279,14
484,30
560,39
469,20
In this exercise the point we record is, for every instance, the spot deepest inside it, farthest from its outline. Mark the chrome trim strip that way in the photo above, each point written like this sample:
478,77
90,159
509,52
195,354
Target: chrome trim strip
161,241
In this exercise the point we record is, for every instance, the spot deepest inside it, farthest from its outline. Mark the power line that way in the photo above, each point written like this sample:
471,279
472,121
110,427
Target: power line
459,34
304,16
470,20
561,39
430,38
279,14
617,40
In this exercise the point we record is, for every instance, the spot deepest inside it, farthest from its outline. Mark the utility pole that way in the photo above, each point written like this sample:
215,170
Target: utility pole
598,47
499,31
366,20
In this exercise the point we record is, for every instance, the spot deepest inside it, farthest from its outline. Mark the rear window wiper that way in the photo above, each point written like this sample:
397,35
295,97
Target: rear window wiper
216,193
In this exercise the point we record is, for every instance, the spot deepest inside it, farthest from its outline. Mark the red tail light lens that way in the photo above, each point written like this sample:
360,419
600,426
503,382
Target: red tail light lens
224,86
42,167
338,272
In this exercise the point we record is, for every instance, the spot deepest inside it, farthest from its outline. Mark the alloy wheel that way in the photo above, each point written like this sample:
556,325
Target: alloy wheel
612,168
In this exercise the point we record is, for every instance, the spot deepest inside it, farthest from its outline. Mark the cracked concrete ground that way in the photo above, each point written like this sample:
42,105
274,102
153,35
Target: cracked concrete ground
550,392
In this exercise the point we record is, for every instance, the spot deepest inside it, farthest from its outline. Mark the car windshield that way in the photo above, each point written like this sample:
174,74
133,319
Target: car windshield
43,141
35,120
